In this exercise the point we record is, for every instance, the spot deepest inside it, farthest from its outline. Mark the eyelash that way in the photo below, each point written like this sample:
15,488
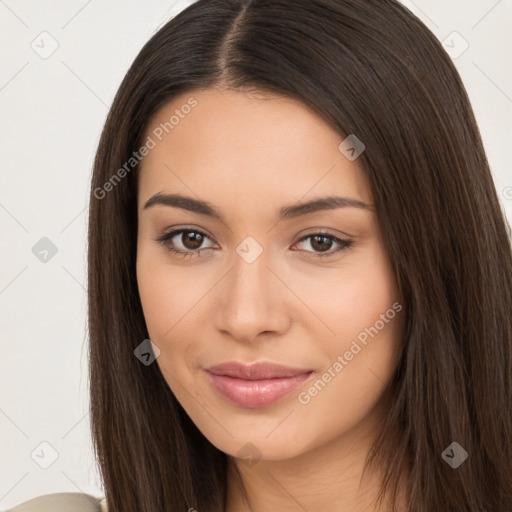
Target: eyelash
165,239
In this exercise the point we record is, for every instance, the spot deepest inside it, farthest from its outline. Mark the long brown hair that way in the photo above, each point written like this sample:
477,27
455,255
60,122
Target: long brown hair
369,68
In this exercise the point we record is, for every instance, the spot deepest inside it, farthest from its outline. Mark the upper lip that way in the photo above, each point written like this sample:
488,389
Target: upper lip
255,371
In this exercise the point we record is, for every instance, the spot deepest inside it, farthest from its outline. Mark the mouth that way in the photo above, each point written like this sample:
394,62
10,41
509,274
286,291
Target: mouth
256,385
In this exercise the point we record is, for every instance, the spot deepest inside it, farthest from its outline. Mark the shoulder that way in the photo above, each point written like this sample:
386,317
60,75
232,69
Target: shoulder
62,502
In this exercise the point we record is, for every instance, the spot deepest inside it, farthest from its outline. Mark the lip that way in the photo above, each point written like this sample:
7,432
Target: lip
255,385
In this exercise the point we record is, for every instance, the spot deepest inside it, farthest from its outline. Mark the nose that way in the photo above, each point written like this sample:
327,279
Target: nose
253,301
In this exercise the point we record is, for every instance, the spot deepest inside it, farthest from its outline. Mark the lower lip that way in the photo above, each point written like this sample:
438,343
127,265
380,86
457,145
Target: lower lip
255,393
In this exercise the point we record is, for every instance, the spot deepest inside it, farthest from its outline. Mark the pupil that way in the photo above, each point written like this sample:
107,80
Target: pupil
321,247
193,240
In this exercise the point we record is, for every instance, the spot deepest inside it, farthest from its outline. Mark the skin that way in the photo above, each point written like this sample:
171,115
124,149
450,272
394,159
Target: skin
248,155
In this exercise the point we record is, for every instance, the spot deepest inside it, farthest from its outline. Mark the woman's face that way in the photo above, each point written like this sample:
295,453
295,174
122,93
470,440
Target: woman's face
261,278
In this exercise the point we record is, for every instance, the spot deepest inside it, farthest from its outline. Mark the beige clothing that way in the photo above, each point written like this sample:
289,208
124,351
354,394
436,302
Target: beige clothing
62,502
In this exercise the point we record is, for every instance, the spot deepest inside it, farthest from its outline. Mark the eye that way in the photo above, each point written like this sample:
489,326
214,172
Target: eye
188,242
184,242
322,242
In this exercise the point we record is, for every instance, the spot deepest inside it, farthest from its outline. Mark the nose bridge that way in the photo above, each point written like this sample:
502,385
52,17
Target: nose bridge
252,300
251,278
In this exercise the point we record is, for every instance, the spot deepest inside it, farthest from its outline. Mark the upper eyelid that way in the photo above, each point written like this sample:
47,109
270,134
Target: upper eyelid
167,236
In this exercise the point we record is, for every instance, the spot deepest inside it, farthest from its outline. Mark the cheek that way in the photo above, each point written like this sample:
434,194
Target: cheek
166,294
173,300
361,357
157,299
361,350
352,296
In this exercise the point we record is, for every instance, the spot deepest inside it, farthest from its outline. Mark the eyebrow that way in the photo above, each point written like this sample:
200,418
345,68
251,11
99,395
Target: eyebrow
287,212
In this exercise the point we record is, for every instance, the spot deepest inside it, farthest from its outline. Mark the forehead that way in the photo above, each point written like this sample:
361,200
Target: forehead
246,148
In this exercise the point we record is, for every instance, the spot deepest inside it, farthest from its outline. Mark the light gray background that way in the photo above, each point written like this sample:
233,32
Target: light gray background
52,111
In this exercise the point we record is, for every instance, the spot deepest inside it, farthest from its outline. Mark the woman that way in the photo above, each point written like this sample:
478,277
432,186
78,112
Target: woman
299,272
